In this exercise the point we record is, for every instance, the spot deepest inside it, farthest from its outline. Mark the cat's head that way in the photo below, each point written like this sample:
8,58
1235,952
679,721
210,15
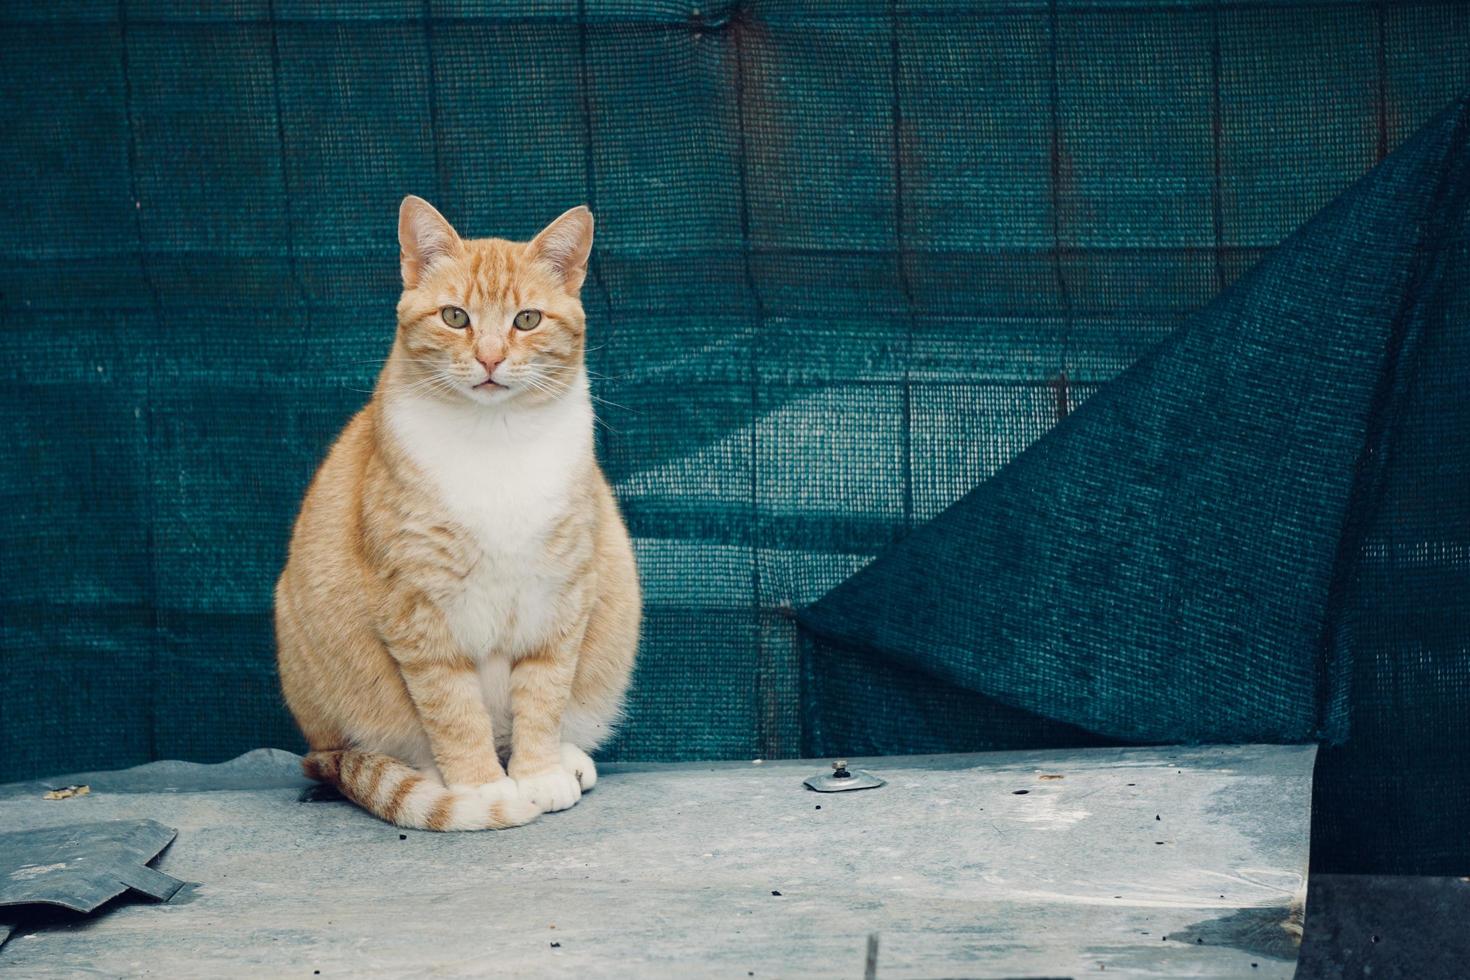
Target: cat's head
490,320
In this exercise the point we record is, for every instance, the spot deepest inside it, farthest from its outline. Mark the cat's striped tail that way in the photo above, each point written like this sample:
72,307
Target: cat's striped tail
400,794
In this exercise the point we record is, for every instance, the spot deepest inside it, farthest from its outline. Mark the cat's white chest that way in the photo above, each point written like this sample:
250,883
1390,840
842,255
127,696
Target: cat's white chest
506,478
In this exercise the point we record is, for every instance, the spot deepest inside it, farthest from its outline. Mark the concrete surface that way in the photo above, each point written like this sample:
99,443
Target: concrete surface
1135,862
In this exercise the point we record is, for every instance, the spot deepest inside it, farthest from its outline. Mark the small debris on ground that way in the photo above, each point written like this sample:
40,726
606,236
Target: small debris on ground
403,837
819,806
1019,792
556,945
1051,775
67,792
776,893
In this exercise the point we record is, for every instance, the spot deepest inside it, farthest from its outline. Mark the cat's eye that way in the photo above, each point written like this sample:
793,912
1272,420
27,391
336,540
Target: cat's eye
455,317
527,319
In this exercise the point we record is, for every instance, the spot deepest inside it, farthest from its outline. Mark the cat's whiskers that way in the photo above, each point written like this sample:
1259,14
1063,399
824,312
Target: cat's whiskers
604,401
541,386
439,381
597,376
538,381
537,378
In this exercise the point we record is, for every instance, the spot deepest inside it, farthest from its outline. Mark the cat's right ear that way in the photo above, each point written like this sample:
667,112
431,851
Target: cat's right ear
424,237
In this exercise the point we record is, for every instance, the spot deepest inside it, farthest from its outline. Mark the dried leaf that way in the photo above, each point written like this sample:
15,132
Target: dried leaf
67,792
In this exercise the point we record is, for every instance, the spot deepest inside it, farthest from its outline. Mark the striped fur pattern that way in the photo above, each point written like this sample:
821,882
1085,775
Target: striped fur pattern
458,615
401,795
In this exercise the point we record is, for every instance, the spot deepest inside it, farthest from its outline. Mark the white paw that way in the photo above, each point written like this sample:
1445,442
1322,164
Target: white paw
555,789
580,765
498,803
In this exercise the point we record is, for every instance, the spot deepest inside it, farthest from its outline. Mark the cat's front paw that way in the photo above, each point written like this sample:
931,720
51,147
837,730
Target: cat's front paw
552,790
580,765
477,806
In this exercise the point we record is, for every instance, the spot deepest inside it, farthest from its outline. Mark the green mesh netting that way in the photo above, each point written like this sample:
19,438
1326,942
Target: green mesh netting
852,260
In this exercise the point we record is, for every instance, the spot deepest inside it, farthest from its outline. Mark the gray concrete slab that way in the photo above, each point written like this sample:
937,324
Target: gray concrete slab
1176,862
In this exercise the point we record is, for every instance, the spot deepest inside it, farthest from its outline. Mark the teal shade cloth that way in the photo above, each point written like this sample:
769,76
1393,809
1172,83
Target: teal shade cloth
852,259
1256,533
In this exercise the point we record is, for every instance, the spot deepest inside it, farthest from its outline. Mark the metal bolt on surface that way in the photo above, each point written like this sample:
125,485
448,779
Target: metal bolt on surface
842,778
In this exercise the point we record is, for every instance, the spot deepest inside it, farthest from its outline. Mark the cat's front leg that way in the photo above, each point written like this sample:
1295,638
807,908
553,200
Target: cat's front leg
444,685
540,686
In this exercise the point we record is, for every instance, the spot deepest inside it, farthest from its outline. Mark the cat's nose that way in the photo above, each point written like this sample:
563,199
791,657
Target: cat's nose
489,364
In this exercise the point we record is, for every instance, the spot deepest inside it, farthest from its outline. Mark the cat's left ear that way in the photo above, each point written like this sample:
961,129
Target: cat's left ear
565,245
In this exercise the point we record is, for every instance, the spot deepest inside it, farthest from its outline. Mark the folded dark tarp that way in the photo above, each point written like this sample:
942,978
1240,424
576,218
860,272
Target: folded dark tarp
1259,532
81,866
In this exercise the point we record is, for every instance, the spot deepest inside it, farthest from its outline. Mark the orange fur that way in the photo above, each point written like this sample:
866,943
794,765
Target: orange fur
460,553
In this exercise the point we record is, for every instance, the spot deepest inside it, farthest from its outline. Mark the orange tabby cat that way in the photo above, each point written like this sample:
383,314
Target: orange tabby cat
460,585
